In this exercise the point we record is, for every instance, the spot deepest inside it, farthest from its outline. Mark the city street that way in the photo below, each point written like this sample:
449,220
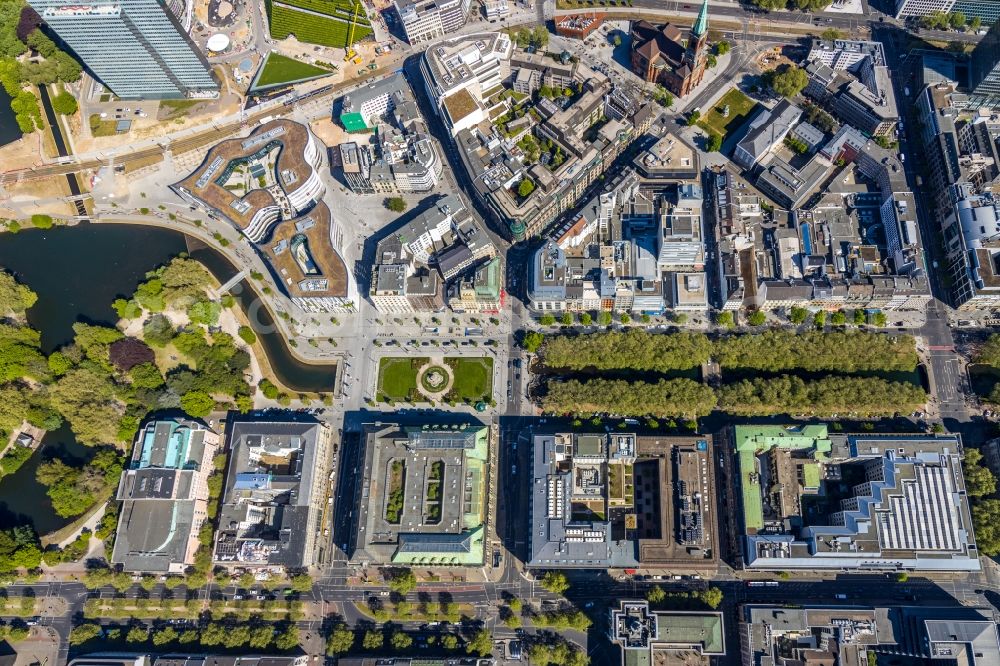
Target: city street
356,341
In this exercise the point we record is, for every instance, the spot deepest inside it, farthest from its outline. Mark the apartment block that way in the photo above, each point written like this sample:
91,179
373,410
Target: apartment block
462,74
394,151
659,637
422,500
415,263
987,11
633,248
962,162
479,289
765,133
984,71
859,634
906,8
616,500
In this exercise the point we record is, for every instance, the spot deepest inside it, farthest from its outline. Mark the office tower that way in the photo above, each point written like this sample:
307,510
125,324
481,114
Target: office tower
136,48
988,11
906,8
984,71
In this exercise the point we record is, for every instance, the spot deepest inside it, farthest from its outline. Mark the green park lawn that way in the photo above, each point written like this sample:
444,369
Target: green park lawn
397,379
473,379
740,108
313,29
281,69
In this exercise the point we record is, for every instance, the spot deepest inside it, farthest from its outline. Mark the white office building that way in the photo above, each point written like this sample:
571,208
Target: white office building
428,20
906,8
458,73
136,48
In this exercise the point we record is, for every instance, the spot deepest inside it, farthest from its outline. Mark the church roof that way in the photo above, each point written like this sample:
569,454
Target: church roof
665,43
701,25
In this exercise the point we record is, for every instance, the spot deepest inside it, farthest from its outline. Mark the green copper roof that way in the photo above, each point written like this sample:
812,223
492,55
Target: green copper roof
751,440
701,25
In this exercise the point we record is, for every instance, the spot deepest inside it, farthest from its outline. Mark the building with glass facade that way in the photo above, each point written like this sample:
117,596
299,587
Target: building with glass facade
984,71
906,8
136,48
988,11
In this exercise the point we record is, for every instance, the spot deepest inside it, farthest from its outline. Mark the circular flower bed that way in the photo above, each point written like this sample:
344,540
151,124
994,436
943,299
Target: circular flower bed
435,378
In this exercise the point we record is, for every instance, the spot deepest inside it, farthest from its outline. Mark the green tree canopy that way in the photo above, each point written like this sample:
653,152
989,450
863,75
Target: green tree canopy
789,394
402,581
986,523
204,312
340,641
841,351
555,582
532,341
989,352
19,549
525,187
631,349
65,104
789,82
84,632
979,480
15,298
665,398
481,643
372,640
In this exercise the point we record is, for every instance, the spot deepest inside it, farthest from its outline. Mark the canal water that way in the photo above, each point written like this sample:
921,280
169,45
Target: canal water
77,272
57,137
9,131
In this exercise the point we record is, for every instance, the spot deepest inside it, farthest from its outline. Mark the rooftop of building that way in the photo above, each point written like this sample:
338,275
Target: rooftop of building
298,243
283,140
665,44
395,86
424,498
159,492
668,156
596,501
844,635
768,128
808,496
623,238
270,493
453,62
302,254
845,53
658,637
177,659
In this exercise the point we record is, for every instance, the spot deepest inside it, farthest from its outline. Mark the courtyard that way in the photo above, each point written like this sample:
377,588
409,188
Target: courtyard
467,380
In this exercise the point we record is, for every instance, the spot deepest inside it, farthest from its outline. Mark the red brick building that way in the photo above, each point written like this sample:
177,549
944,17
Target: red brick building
664,56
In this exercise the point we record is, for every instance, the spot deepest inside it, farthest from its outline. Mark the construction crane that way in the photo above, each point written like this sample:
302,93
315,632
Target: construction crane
350,34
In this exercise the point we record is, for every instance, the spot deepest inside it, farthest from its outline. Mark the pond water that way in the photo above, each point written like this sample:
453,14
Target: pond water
77,273
23,499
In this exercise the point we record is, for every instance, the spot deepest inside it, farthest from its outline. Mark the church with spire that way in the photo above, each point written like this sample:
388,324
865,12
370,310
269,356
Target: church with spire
663,55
